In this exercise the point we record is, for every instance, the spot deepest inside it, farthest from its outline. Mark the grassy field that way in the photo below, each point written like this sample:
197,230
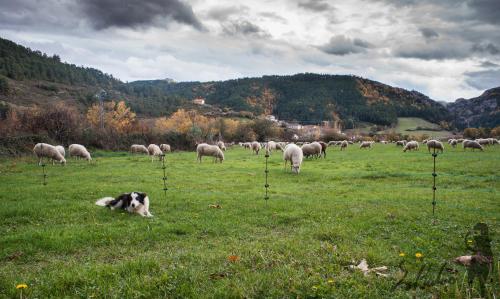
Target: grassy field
357,204
411,123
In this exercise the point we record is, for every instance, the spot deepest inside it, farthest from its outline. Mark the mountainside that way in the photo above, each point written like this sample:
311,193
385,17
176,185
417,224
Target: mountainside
29,77
481,111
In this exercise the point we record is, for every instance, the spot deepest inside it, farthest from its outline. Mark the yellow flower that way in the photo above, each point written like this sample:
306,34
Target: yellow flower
418,255
469,241
21,286
331,280
315,288
401,254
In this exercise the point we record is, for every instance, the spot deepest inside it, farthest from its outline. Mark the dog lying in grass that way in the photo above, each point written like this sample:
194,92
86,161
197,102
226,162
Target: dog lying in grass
134,202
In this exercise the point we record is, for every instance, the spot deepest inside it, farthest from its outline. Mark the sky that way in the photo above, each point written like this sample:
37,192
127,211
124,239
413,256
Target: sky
446,49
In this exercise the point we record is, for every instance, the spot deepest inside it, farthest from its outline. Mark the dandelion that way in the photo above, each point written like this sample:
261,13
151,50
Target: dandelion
21,286
418,255
402,254
330,281
233,258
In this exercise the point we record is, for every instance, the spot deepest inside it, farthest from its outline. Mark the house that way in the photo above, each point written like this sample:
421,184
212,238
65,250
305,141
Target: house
199,101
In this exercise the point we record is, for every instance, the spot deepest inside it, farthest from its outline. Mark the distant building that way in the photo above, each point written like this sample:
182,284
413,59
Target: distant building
271,118
199,101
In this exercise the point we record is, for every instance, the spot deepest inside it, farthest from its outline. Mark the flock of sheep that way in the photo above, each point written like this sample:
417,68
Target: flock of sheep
292,152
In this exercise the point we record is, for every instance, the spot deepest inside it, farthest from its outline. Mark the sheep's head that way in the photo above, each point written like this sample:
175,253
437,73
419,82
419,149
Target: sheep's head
63,162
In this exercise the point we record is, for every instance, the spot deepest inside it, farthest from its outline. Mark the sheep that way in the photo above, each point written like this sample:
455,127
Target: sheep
350,142
221,145
453,142
412,145
78,150
61,150
434,144
403,143
343,145
272,146
295,137
482,141
332,143
139,149
204,149
165,148
365,144
256,147
46,150
460,140
155,151
294,154
383,142
311,149
472,144
323,148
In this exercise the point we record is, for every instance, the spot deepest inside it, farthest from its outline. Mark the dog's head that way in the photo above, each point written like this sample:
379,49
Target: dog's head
138,199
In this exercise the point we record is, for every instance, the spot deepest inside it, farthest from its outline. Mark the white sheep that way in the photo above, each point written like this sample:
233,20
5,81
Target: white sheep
453,142
256,147
49,151
311,149
403,142
472,144
204,149
483,141
293,153
366,144
61,150
221,145
155,151
139,148
434,144
79,151
273,146
412,145
343,145
165,148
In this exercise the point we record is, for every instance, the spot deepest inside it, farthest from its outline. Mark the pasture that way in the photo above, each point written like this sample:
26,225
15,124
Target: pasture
356,204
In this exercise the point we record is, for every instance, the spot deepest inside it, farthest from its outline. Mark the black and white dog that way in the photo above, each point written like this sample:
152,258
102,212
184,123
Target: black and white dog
135,202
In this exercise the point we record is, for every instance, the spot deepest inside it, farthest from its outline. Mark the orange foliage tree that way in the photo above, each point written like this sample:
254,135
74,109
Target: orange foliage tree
114,116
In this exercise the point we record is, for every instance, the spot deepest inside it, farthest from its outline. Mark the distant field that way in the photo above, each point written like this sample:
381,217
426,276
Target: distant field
355,204
411,123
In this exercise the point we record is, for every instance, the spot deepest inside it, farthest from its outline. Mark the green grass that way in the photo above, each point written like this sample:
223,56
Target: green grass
408,125
356,204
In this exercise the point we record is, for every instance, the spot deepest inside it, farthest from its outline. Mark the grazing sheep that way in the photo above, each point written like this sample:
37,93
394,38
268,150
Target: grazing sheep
256,147
155,151
272,146
472,144
482,141
323,148
350,142
343,145
311,149
412,145
383,142
295,137
460,140
453,142
365,144
61,150
79,151
402,143
221,145
49,151
434,144
293,153
204,149
139,149
165,148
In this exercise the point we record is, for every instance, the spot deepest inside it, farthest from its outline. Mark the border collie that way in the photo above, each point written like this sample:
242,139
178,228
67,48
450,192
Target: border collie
134,202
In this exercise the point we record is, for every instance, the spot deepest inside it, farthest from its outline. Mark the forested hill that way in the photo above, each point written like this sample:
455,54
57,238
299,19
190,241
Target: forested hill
308,98
29,77
481,111
21,63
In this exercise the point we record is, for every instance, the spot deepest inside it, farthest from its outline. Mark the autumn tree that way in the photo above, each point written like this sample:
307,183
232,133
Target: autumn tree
113,116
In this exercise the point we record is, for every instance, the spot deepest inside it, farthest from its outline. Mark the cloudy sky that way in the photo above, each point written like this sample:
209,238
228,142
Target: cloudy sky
446,49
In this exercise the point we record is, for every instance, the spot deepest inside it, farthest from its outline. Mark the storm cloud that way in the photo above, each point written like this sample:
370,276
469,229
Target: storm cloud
342,45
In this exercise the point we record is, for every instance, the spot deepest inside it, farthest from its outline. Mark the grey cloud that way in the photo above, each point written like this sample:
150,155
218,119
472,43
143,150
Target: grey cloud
130,13
483,79
342,45
486,10
486,48
238,28
223,13
439,50
315,5
428,33
489,64
273,16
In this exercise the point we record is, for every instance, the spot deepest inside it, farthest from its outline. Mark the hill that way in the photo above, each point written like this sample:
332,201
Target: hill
481,111
29,77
